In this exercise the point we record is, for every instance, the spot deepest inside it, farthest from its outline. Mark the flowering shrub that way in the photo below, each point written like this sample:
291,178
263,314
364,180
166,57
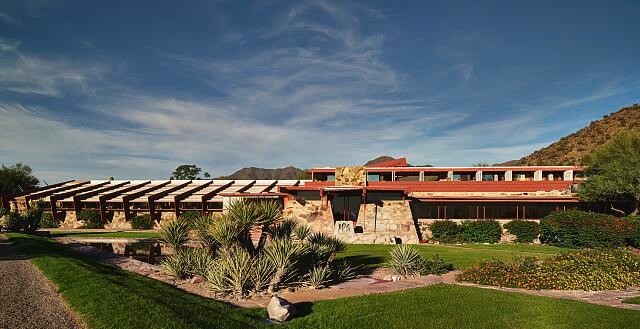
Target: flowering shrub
481,231
525,231
579,229
588,269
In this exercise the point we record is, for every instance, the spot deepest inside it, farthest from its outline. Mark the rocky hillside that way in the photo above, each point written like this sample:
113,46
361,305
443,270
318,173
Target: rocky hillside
379,159
264,173
572,149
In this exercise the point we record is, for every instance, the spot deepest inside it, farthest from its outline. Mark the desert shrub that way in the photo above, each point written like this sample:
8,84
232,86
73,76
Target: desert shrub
406,260
525,231
434,265
302,232
224,231
343,271
445,231
633,239
284,254
141,222
13,221
319,277
196,260
579,229
481,231
201,226
190,216
49,221
235,265
263,271
90,217
175,233
587,269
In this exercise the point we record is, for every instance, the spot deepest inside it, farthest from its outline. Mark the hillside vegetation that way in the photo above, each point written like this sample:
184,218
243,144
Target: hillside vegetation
572,149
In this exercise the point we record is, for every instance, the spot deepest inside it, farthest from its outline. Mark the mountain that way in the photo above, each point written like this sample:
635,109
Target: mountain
574,148
263,173
379,159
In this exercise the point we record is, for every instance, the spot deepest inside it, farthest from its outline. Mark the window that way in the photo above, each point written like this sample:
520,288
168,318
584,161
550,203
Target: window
308,195
462,211
501,211
424,210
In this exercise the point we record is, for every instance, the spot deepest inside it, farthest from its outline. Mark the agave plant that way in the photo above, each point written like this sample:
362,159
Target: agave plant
175,233
319,276
405,260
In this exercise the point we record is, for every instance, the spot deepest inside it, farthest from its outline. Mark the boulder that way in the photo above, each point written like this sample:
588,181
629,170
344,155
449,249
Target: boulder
279,309
396,277
198,279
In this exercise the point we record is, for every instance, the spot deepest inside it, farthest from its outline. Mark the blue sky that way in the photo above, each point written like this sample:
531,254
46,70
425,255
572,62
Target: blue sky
92,89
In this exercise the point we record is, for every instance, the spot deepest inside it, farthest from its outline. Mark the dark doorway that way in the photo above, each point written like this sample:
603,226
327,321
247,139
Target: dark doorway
346,206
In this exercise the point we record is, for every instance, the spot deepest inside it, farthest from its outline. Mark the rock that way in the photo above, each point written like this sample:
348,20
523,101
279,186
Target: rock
197,279
396,277
387,277
279,309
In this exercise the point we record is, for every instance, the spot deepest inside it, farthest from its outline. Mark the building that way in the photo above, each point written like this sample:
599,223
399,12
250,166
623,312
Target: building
386,202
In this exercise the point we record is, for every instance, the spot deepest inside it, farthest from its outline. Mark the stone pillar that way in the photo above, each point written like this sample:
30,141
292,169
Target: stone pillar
450,175
508,175
479,175
422,176
537,175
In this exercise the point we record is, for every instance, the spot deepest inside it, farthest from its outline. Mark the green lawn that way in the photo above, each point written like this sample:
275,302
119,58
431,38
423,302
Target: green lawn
128,234
633,300
457,307
107,297
462,256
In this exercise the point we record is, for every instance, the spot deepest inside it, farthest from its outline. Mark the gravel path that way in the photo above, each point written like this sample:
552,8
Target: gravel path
27,298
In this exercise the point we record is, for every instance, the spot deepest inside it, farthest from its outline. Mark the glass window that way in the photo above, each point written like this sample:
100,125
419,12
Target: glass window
424,210
462,211
309,195
501,211
384,196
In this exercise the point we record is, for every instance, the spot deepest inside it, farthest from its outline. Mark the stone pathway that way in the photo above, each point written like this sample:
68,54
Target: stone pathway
356,287
27,298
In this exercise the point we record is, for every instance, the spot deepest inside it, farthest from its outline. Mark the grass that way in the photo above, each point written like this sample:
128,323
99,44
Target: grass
461,256
449,306
633,300
127,234
107,297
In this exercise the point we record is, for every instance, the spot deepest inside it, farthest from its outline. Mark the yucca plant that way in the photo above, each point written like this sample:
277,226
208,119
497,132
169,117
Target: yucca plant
343,271
237,264
263,271
217,277
175,233
269,211
319,276
197,260
284,255
405,260
282,229
201,225
224,230
302,232
331,243
174,265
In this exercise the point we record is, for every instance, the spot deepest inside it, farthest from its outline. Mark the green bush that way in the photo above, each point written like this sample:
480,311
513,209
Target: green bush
13,221
586,269
31,220
481,231
579,229
190,216
633,240
90,217
141,222
525,231
445,231
49,221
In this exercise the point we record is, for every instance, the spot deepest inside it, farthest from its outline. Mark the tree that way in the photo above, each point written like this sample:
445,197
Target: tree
17,178
481,164
188,172
613,172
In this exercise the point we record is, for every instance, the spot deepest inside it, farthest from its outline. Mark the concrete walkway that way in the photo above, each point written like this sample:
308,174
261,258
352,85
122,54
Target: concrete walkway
27,298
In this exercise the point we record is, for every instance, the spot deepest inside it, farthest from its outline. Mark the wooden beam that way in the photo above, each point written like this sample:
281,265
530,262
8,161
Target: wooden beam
55,197
187,193
102,199
41,194
127,198
248,186
206,197
152,198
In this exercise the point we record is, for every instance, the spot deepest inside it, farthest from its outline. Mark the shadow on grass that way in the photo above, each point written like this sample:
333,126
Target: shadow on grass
107,296
366,264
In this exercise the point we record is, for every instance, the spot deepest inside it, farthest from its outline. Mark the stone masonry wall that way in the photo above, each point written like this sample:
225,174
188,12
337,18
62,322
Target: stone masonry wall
311,213
386,223
118,222
351,176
